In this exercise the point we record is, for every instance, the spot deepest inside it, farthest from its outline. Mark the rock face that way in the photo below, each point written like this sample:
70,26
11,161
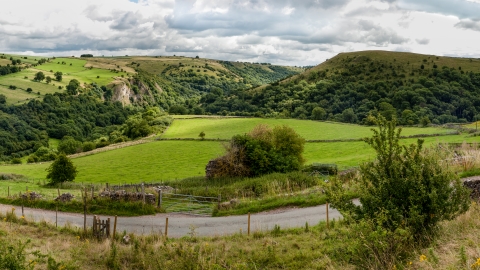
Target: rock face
123,92
474,185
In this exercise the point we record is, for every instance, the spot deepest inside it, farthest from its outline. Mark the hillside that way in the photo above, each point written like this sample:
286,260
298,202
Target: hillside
89,98
417,89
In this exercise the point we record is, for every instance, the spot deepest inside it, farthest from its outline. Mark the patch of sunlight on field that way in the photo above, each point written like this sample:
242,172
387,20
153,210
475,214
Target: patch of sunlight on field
225,128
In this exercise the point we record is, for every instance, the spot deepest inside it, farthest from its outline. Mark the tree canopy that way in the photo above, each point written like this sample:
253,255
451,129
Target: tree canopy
61,170
262,151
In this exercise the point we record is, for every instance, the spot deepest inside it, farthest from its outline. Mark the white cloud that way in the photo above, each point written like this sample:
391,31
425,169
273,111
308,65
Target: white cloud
277,31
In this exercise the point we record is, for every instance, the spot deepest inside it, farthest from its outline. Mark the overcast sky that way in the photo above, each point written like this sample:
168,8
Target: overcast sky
286,32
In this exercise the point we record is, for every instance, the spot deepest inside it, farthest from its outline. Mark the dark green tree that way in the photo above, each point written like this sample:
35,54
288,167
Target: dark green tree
61,170
72,87
48,79
58,76
69,145
39,76
318,113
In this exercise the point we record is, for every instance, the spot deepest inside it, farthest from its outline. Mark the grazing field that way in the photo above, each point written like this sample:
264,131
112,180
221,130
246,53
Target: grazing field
24,80
170,160
78,71
225,128
155,161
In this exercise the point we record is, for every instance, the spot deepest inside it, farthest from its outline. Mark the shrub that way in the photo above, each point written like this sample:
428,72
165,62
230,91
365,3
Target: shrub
404,194
88,146
262,151
16,161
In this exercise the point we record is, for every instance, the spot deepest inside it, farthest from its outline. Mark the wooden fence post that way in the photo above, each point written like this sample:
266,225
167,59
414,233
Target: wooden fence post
92,192
8,191
84,211
166,227
58,190
94,225
114,228
108,228
143,193
326,205
248,223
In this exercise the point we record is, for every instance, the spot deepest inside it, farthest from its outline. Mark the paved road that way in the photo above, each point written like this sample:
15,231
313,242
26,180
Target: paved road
181,225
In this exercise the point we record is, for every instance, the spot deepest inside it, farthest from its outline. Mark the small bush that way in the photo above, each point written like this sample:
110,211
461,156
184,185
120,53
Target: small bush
16,161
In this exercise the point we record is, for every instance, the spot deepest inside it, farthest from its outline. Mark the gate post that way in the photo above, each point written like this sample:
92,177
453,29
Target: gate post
159,199
94,227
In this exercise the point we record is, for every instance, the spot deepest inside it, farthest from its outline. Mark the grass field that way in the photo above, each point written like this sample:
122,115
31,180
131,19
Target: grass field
20,95
78,71
24,79
155,161
225,128
169,160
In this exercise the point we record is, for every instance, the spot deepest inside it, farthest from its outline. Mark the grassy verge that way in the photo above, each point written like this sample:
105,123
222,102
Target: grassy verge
95,206
313,246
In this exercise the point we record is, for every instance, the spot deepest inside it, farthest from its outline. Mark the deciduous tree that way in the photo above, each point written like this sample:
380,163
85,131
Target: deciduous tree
61,170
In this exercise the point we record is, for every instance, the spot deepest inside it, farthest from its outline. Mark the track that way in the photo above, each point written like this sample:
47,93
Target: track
182,225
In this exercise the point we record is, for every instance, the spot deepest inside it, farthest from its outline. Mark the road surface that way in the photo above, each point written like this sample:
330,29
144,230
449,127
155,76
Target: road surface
182,225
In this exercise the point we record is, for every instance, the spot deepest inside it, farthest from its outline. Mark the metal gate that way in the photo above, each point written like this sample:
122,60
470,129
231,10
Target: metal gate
188,204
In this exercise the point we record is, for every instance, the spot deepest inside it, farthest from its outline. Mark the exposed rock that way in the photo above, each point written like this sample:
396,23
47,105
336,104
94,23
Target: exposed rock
474,185
65,197
31,195
128,196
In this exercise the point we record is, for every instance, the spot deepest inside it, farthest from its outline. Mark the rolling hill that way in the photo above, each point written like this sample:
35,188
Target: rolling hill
417,89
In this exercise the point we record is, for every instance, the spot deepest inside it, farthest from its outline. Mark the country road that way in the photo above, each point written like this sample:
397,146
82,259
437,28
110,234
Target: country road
182,225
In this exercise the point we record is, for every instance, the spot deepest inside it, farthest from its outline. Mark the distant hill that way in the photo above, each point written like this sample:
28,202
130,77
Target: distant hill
157,80
416,88
90,102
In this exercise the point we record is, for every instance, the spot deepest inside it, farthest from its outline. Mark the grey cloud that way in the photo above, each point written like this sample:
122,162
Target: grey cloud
461,8
423,41
125,21
469,24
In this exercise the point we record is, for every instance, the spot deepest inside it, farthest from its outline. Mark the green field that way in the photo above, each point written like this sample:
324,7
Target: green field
225,128
78,71
20,95
171,159
24,79
155,161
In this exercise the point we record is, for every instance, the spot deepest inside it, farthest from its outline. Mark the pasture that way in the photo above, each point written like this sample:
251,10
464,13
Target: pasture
225,128
77,70
169,160
24,80
155,161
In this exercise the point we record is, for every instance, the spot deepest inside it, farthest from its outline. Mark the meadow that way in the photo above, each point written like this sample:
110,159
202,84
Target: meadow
24,79
177,159
225,128
77,70
155,161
